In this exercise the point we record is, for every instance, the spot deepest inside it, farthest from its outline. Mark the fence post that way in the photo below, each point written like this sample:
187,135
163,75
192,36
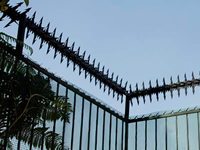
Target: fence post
127,106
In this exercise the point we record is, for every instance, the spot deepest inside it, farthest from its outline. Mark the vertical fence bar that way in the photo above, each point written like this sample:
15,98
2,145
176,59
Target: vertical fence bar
127,106
54,122
81,130
104,115
156,134
110,132
32,130
198,130
136,135
176,132
188,147
116,135
165,133
96,133
64,122
122,135
145,134
73,120
90,113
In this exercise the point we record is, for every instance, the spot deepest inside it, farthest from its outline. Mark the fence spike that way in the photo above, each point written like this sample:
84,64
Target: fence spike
68,62
157,85
40,25
66,42
113,93
100,84
193,87
95,81
33,17
117,96
103,69
93,63
104,89
74,66
72,47
178,89
41,44
47,27
130,88
91,78
55,54
78,50
185,77
61,59
107,73
48,49
54,33
34,38
164,92
112,75
8,24
80,71
121,98
18,5
150,87
60,38
126,84
86,74
27,10
121,81
116,79
98,66
136,86
171,90
108,90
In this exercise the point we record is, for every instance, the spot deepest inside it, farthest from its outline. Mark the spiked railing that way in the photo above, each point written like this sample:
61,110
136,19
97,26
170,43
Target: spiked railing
92,70
68,52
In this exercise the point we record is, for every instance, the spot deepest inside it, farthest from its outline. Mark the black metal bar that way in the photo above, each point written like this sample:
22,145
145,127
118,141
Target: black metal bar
127,106
110,132
156,134
89,126
165,133
116,135
19,139
81,130
54,122
32,130
146,135
136,135
64,122
122,135
73,120
176,133
103,135
188,144
7,129
198,130
96,133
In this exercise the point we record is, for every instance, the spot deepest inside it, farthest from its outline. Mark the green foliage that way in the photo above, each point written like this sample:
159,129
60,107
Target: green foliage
26,100
4,7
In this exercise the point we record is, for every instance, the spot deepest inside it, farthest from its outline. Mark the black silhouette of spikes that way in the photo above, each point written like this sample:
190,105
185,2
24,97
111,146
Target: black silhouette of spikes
60,38
125,84
116,79
121,98
107,73
104,89
157,85
171,90
143,87
40,24
47,27
74,66
130,88
100,84
54,33
8,24
136,86
34,38
86,74
113,93
88,60
108,90
17,6
93,64
33,17
150,87
68,62
117,97
27,10
193,87
83,56
41,44
3,16
91,77
80,71
55,54
164,92
72,47
48,49
178,89
61,59
185,86
103,69
98,66
112,76
78,51
95,81
27,33
66,42
121,81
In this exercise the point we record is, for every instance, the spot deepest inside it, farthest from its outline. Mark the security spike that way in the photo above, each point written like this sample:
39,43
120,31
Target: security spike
113,93
116,79
117,97
185,77
78,51
126,84
100,84
80,71
72,47
18,5
157,85
171,90
98,66
8,24
95,81
41,44
68,62
66,42
107,73
178,89
61,59
130,88
171,81
27,33
60,38
121,81
193,87
136,86
121,98
164,82
185,90
112,76
48,49
40,25
47,27
164,92
27,10
104,89
131,102
150,87
109,91
55,54
86,74
34,38
33,17
103,69
93,63
54,33
138,102
74,66
88,60
3,16
143,88
90,78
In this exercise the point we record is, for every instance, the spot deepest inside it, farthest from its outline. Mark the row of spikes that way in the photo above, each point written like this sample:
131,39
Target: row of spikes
71,55
164,88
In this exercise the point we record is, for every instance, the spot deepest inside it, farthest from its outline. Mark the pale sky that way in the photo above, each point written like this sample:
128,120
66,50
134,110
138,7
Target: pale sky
137,40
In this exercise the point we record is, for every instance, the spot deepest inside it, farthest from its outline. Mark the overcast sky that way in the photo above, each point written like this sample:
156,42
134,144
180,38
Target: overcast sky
137,40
